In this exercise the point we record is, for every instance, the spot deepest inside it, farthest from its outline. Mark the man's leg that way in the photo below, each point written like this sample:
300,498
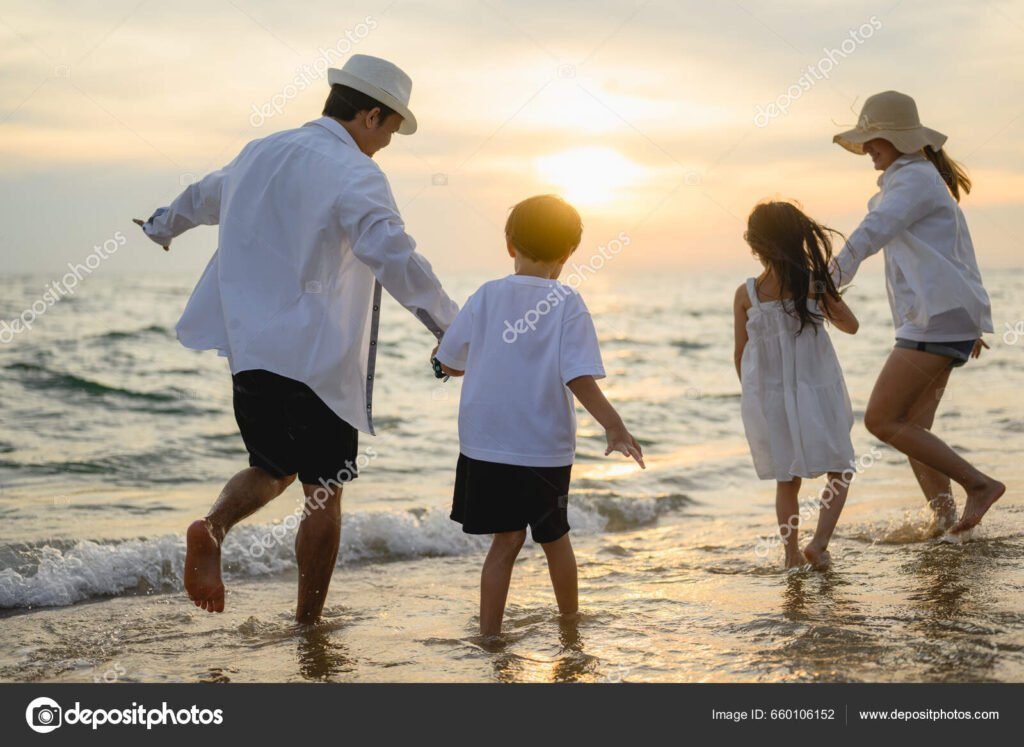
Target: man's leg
316,549
496,577
242,496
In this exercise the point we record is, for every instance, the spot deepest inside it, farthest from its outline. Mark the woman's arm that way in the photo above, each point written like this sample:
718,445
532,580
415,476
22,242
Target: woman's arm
740,305
592,398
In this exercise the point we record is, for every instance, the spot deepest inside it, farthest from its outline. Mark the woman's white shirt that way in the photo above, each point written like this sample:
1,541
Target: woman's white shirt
934,285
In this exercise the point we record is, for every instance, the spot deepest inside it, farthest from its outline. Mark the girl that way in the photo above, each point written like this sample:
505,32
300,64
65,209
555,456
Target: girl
796,410
939,305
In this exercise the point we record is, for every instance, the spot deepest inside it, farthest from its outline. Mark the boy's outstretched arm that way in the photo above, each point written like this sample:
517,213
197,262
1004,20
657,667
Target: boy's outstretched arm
592,398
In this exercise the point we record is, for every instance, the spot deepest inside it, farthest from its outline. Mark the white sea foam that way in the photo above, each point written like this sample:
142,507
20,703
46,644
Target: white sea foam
90,569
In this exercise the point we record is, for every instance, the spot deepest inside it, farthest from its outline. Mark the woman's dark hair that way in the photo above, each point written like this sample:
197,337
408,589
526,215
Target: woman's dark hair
345,103
798,252
953,174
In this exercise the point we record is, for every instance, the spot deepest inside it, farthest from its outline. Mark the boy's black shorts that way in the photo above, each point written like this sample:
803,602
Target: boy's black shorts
492,497
288,429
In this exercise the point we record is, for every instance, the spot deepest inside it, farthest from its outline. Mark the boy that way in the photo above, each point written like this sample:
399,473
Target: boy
527,344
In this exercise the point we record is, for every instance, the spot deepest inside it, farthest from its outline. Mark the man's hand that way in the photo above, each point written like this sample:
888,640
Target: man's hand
976,353
621,440
140,223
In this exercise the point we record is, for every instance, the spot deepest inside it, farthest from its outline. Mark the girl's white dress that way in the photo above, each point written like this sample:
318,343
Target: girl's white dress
796,410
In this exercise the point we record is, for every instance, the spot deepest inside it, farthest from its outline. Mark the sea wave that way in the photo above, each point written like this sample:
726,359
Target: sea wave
60,574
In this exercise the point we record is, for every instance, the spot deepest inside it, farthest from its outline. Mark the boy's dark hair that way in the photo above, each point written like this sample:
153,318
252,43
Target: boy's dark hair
345,103
545,228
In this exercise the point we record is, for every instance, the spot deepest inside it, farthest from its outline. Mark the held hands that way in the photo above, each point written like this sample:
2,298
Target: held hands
140,223
440,367
621,440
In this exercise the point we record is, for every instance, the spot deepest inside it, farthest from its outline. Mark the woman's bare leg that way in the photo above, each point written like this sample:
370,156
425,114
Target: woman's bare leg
496,577
937,488
562,569
787,510
905,377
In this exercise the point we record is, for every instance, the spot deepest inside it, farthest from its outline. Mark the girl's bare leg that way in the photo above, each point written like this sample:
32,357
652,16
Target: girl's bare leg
833,499
905,377
562,569
787,510
496,577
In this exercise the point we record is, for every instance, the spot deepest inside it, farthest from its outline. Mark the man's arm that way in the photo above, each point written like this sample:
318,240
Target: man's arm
371,220
198,205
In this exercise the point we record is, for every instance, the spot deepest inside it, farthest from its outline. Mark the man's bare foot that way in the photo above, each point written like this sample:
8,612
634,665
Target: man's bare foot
979,501
818,557
202,567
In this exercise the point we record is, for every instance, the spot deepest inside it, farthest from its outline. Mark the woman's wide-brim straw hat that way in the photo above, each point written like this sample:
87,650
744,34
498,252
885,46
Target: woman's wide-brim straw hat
380,80
890,116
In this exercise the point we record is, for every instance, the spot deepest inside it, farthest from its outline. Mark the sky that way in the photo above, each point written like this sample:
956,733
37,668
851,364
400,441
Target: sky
651,117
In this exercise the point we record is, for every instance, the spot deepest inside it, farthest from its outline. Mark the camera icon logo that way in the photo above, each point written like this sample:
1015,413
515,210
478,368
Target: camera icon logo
44,715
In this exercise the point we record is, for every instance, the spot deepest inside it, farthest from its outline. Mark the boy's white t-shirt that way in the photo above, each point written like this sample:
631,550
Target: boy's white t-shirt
520,340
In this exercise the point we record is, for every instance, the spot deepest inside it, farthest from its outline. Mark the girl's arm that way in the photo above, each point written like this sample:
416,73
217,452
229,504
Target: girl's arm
592,398
837,312
739,308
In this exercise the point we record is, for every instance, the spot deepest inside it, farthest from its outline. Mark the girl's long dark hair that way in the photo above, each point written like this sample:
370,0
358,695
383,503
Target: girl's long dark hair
798,251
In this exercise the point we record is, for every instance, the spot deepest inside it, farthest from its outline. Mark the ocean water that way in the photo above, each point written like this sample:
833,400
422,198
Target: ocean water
113,438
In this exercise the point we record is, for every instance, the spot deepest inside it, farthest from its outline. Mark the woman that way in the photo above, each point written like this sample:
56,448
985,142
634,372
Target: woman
939,305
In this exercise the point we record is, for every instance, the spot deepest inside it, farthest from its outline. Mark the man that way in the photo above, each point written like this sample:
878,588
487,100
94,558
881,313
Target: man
306,222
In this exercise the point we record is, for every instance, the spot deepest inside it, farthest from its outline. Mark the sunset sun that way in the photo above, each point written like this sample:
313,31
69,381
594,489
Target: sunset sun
588,175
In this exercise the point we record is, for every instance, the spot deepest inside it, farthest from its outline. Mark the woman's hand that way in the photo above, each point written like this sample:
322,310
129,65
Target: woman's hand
978,345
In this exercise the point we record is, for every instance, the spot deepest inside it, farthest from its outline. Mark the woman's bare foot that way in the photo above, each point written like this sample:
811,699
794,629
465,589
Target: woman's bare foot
943,510
818,557
202,567
979,501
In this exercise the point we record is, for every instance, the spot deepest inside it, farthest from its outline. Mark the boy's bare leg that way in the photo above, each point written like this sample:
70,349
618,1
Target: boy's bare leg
831,505
562,568
316,549
905,377
242,496
496,577
787,510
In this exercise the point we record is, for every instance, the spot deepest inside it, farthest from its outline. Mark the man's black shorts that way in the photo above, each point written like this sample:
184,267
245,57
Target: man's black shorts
491,497
288,429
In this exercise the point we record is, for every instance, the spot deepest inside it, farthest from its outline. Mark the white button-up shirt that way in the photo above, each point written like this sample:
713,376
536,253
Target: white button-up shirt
932,277
307,221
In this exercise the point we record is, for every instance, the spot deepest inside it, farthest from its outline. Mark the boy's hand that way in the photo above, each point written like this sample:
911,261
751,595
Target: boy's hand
140,223
621,440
